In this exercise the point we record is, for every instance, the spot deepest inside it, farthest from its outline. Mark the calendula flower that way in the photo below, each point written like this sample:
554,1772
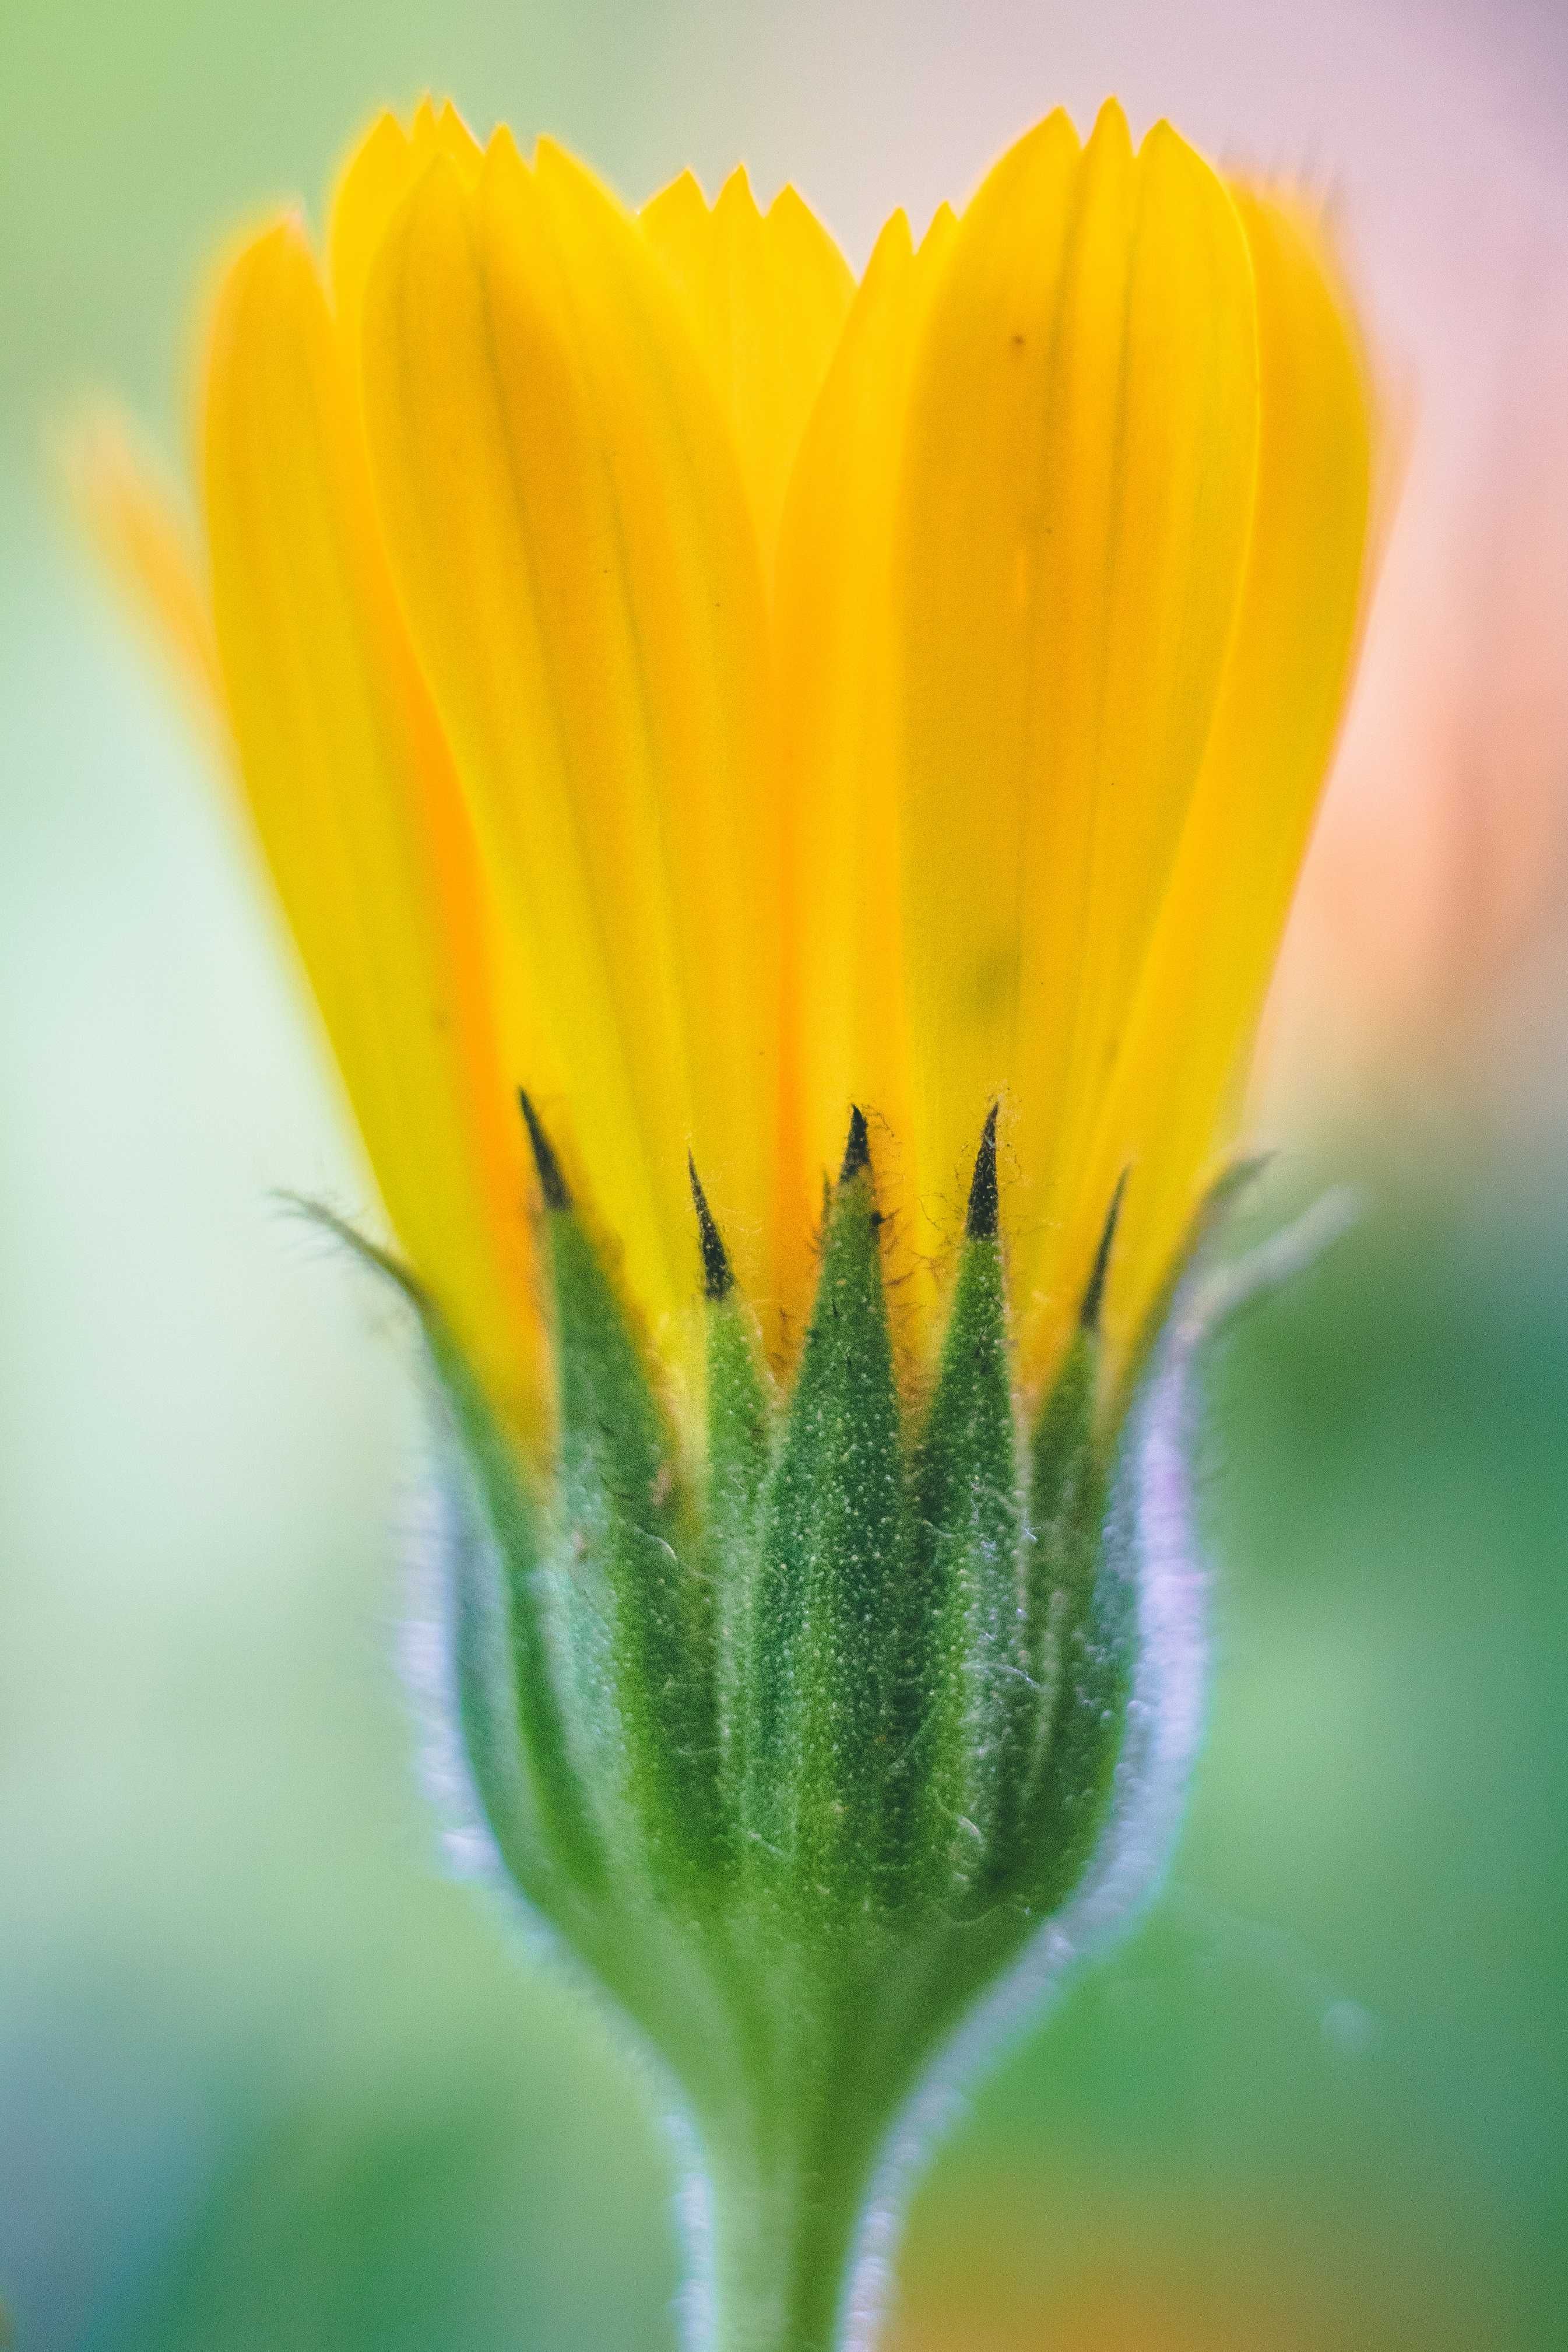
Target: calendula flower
843,750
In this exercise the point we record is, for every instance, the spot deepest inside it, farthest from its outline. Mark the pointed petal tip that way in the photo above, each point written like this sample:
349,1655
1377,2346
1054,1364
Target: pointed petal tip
857,1148
386,129
1094,1293
268,267
552,1182
1055,126
286,228
894,246
984,1218
1160,130
686,188
736,189
718,1276
942,223
1111,145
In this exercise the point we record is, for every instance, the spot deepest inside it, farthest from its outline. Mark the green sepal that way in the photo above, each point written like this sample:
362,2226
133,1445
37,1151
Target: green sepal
740,1450
639,1606
801,1756
1079,1632
1211,1213
822,1797
502,1627
506,1641
1066,1506
974,1702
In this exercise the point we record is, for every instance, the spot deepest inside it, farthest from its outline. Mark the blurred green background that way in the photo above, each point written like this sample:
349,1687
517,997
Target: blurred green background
268,2081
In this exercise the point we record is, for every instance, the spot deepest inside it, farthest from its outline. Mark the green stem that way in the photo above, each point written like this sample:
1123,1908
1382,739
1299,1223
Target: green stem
784,2224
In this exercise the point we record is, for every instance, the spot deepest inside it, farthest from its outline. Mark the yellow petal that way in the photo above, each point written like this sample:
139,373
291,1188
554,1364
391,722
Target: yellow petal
136,519
1078,498
571,541
356,801
846,1038
766,295
1219,931
375,182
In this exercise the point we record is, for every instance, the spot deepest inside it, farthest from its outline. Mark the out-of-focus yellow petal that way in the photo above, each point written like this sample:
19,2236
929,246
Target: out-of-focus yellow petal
357,803
136,521
1077,504
571,536
766,295
846,1033
1219,931
373,183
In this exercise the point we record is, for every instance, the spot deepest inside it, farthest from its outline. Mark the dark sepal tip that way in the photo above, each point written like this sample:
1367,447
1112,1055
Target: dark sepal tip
1094,1295
552,1182
984,1218
718,1277
857,1149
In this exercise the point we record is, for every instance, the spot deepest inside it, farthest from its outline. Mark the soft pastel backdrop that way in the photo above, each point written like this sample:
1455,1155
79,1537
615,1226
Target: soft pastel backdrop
267,2082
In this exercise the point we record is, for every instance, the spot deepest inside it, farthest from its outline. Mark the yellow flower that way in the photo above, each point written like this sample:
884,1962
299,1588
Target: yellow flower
710,692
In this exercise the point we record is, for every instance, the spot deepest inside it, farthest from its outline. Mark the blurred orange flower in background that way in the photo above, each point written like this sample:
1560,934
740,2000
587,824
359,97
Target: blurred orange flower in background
1422,968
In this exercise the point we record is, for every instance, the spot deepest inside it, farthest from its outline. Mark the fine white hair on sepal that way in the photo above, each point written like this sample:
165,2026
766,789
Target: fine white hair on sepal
443,1534
1153,1542
448,1545
696,2305
443,1531
438,1530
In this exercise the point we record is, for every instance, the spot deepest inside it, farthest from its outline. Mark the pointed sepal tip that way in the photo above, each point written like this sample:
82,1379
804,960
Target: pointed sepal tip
984,1217
857,1146
1094,1291
718,1276
552,1182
